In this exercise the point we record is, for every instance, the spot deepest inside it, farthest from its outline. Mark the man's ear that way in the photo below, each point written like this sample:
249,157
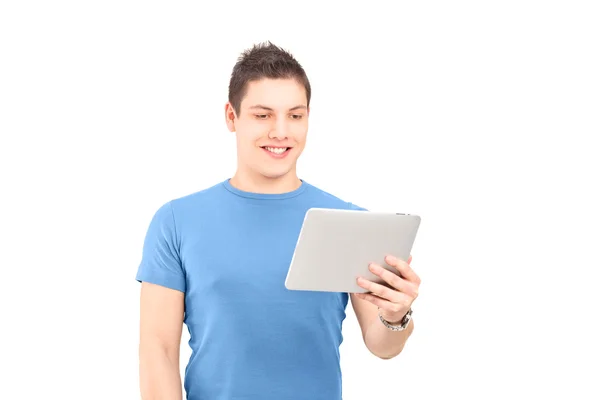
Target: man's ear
230,117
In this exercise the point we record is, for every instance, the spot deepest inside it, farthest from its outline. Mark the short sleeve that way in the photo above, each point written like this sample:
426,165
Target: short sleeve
352,206
161,262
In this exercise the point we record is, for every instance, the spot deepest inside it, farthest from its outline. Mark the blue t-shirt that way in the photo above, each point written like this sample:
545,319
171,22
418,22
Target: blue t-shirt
251,338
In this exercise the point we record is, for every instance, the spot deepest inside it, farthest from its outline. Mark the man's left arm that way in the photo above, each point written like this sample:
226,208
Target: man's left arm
392,303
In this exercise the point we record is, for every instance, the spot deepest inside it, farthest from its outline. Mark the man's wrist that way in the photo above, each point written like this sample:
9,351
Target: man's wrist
398,325
394,320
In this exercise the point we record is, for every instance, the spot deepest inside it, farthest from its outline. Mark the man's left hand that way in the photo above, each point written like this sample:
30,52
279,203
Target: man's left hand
394,301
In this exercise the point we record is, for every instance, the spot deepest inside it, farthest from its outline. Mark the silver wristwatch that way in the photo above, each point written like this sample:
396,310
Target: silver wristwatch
400,326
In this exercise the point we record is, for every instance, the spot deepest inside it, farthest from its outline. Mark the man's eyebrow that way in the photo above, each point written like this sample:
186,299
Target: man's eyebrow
261,107
299,107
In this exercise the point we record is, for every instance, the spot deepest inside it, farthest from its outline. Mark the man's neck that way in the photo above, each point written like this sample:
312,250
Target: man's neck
257,183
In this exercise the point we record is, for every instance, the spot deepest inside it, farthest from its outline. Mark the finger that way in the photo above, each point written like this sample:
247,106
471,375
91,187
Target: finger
383,304
409,259
379,290
391,278
405,270
378,301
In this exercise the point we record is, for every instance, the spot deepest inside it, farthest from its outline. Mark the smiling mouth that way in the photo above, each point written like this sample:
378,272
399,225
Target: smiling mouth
276,150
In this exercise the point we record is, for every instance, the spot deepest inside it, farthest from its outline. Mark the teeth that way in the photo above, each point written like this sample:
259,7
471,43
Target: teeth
276,150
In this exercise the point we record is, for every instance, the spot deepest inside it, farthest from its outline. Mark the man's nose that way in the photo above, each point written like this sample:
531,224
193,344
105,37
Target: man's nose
280,130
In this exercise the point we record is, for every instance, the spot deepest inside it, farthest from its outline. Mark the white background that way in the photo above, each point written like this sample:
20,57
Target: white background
482,117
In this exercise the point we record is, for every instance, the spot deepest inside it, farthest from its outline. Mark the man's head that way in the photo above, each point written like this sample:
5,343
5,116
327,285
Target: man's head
269,97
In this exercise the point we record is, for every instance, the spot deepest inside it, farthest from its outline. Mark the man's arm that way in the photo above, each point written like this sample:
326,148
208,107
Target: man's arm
381,341
392,301
161,323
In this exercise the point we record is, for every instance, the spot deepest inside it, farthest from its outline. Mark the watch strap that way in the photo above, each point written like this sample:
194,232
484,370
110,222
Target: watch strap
400,326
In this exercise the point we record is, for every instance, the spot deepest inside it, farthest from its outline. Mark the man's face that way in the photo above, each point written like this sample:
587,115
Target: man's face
271,127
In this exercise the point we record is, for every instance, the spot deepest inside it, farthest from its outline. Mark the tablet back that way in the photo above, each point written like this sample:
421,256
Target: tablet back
336,246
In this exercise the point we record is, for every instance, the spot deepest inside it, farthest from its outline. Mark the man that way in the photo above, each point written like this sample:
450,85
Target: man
217,259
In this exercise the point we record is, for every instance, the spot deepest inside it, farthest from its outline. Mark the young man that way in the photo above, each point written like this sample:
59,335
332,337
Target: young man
217,259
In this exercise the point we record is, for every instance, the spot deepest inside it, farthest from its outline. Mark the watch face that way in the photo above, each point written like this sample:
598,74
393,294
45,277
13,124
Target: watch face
406,319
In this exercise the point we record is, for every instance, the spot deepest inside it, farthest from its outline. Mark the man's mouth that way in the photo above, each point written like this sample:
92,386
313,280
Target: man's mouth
276,150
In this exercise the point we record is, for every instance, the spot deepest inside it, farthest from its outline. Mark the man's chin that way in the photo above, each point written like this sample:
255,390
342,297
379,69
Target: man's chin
277,174
274,175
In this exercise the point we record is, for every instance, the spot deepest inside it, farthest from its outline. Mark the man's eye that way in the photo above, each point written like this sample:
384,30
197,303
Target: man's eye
262,116
297,116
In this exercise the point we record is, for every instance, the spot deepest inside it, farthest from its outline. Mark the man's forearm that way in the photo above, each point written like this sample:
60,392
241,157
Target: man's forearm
385,343
159,375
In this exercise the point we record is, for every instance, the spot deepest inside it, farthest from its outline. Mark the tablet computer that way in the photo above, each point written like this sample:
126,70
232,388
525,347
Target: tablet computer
336,246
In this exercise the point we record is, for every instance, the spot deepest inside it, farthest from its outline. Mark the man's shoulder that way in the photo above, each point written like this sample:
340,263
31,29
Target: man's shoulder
192,202
330,200
202,195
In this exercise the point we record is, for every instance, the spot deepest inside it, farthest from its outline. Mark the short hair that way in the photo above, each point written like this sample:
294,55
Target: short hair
264,60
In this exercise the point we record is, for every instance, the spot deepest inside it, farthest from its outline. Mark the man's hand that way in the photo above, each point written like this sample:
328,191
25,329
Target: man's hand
393,302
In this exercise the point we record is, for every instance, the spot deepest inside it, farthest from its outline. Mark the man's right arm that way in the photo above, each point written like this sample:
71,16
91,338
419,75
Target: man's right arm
161,324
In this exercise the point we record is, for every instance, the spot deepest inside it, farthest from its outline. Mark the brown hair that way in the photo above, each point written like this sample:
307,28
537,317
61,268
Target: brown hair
264,60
